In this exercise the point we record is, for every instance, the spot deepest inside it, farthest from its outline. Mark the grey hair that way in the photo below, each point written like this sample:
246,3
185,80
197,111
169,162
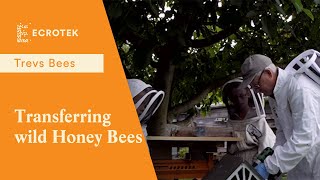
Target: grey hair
272,67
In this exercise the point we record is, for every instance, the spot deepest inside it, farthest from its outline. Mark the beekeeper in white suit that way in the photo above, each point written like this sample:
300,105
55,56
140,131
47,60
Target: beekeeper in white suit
296,100
146,100
247,117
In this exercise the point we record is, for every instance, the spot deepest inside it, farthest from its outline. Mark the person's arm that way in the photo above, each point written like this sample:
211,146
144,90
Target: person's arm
267,138
287,156
245,144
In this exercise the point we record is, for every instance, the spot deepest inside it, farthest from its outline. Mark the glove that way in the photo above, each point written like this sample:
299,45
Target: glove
261,169
233,148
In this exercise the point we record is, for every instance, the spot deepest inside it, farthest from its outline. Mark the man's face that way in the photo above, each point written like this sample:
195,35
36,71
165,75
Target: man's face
240,97
238,103
262,83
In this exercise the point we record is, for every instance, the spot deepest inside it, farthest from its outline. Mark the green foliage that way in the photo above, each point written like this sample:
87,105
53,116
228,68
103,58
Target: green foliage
212,98
149,32
309,13
182,152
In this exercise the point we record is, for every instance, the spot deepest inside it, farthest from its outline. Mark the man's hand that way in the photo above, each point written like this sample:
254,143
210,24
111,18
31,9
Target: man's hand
261,169
233,148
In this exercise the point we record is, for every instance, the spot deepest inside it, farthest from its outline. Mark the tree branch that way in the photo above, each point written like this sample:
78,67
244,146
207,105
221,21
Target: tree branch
185,122
185,106
214,38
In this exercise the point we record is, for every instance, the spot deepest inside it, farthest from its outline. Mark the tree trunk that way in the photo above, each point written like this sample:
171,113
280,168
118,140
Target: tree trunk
163,81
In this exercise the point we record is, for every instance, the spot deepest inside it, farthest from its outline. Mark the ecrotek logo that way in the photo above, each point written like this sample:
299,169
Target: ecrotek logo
26,32
55,32
22,33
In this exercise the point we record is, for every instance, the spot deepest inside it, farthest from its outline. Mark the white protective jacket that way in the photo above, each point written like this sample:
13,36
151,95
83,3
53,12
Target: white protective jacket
254,130
297,116
256,134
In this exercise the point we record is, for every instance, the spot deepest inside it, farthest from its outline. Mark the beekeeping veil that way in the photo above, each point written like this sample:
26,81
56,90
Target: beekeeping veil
255,100
146,99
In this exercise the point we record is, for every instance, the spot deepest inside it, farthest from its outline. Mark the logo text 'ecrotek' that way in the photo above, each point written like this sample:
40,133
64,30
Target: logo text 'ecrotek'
55,32
27,32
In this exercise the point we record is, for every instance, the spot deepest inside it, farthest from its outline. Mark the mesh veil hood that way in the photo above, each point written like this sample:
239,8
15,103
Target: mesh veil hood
151,99
256,101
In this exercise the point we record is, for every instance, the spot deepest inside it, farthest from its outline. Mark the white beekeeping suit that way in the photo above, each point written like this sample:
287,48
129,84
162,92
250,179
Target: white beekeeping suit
251,126
146,100
297,110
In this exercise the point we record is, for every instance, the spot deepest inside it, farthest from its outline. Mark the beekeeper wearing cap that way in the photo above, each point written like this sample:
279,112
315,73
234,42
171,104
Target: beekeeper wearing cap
146,100
295,101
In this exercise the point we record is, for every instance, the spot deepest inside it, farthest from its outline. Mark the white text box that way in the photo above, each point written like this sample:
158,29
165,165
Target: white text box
51,63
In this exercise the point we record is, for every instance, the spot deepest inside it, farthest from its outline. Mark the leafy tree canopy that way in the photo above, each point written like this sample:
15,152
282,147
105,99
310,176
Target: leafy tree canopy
190,48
